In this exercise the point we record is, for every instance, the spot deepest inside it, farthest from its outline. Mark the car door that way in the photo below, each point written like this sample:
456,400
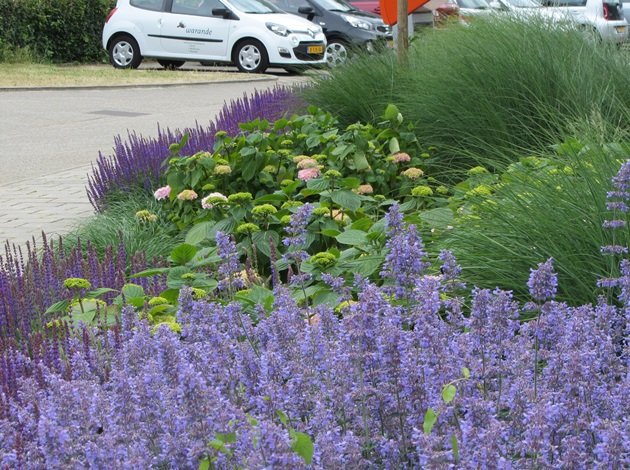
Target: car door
148,19
190,30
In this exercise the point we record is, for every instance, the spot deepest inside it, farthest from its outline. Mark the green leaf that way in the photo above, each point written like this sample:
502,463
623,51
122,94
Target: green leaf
455,448
326,297
132,290
394,146
172,295
282,416
346,199
276,197
247,151
364,223
264,240
466,372
350,182
60,306
365,265
391,112
430,417
204,464
318,184
227,438
408,205
93,294
352,237
448,393
440,217
199,232
329,232
312,141
151,272
303,446
183,253
360,162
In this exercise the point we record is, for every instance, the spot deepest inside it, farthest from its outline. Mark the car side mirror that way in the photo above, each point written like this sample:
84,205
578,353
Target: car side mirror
308,11
222,12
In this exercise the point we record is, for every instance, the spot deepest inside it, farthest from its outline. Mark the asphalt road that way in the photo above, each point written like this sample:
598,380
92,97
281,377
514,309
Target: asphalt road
48,131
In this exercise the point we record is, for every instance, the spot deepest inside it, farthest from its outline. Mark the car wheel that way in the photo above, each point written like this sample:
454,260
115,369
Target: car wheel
250,56
336,53
171,64
124,52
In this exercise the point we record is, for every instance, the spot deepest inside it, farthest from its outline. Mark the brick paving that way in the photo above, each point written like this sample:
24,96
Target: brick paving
53,203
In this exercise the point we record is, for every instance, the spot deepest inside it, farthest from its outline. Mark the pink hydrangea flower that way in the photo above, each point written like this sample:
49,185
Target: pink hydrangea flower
187,195
308,173
162,193
401,157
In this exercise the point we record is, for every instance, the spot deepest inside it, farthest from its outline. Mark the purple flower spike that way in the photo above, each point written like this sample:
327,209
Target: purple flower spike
543,282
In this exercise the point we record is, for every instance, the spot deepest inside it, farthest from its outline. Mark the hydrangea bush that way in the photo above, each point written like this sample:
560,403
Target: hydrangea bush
404,376
139,159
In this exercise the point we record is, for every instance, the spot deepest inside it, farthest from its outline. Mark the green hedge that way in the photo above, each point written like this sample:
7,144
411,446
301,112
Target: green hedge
56,30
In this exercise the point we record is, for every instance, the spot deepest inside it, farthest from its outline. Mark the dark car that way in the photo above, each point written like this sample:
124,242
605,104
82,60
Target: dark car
346,27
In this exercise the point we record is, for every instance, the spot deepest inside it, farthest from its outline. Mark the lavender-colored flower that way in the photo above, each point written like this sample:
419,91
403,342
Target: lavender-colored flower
543,281
229,269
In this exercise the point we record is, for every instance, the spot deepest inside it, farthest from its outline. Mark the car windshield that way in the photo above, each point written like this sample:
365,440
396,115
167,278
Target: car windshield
525,3
335,5
256,6
476,4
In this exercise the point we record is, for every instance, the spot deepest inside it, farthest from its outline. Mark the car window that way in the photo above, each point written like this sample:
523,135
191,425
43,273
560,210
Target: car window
155,5
293,5
195,7
475,4
256,6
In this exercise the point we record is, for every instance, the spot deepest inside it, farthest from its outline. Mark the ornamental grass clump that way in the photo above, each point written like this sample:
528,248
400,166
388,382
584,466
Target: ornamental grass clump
137,160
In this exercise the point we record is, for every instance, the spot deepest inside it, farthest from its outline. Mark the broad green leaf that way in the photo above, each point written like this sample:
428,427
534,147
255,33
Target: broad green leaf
60,306
251,167
199,232
137,302
93,294
430,417
326,297
172,295
204,464
264,240
247,151
132,290
466,372
360,161
448,393
364,223
86,317
346,199
365,265
280,124
391,112
329,232
352,237
312,141
225,226
318,184
183,253
303,446
151,272
394,146
227,438
408,205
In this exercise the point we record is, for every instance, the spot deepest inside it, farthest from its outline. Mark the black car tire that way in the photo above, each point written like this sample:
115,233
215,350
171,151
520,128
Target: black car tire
250,56
337,52
124,52
170,64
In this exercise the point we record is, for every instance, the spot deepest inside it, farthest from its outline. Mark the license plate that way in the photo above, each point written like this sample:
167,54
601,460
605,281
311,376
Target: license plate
315,49
620,29
390,43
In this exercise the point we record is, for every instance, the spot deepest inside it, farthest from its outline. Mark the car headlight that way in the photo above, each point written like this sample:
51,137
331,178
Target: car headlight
357,23
279,29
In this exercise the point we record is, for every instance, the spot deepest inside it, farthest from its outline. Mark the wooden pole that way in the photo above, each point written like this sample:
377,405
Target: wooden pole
402,41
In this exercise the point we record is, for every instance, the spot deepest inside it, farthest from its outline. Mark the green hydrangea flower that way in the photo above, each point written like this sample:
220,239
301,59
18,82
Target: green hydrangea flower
285,183
323,260
247,228
269,169
285,219
482,190
189,276
208,187
290,204
172,325
76,283
441,190
330,174
221,161
422,191
240,198
477,170
319,211
222,170
198,293
154,301
263,211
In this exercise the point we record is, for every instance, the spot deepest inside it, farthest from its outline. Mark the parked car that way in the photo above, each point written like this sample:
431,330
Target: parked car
601,19
345,26
432,13
252,34
471,8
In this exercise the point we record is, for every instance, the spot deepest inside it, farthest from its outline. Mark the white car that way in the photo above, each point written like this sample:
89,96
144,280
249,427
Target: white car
601,19
251,34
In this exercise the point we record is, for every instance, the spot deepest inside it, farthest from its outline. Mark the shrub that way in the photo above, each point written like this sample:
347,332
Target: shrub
494,86
60,31
138,161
